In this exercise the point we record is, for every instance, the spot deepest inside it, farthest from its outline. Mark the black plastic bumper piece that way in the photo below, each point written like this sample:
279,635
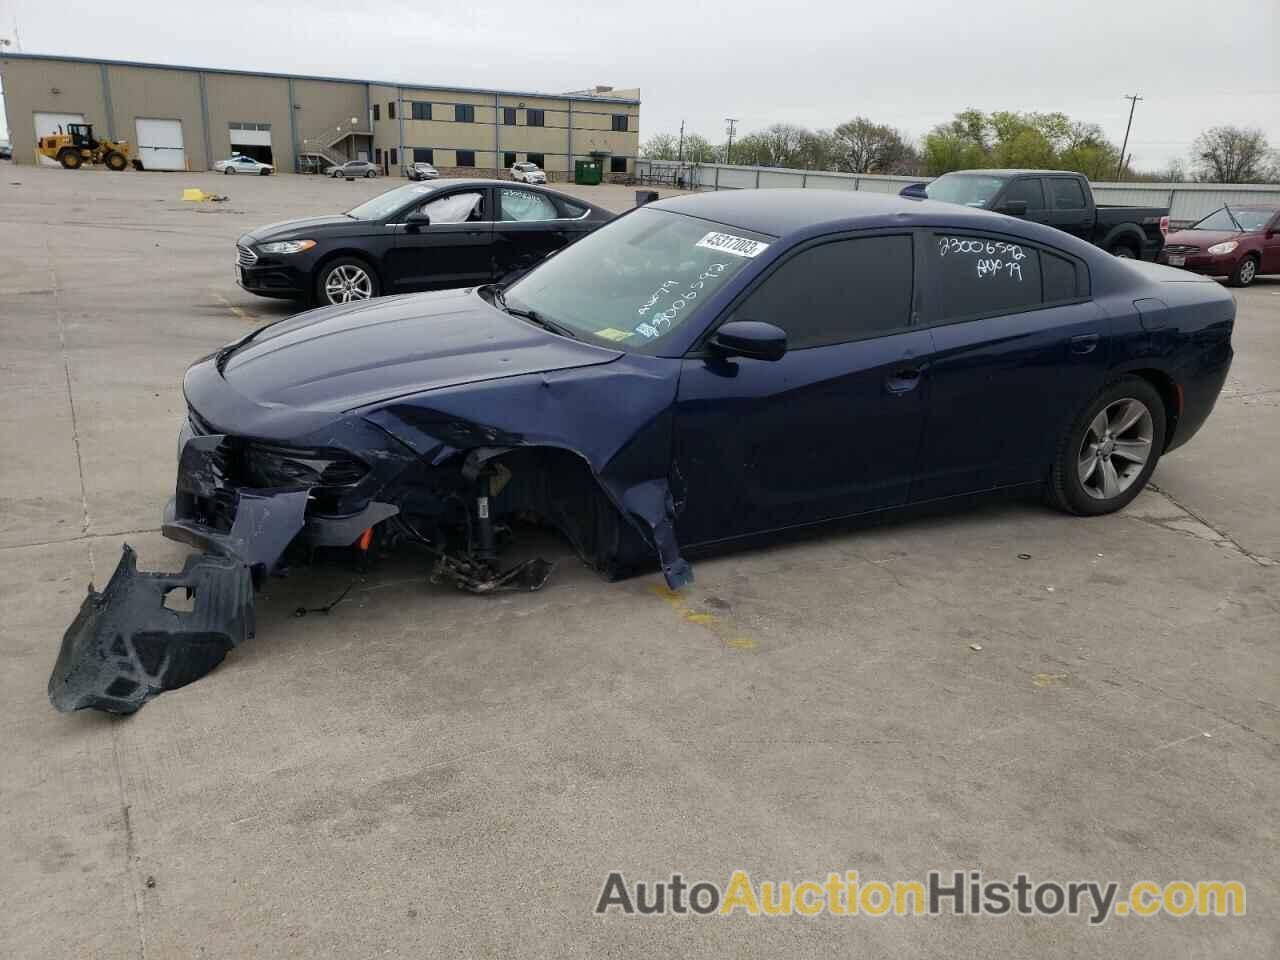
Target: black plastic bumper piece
126,646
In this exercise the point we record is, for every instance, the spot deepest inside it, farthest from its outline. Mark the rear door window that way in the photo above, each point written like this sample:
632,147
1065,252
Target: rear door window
836,292
524,205
980,276
1067,193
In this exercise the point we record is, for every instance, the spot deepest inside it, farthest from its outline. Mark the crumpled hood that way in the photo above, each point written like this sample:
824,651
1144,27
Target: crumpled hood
346,357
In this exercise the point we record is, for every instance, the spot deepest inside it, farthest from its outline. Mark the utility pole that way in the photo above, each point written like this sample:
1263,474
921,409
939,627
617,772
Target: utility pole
733,124
680,151
1133,102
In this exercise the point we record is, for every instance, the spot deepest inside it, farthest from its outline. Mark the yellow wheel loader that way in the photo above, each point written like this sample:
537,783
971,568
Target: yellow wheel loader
78,146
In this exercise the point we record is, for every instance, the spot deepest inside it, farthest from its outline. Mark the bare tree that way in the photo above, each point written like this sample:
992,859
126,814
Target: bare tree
1231,155
661,146
865,147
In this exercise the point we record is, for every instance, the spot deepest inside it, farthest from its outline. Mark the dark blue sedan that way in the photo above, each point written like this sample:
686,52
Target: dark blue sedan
701,369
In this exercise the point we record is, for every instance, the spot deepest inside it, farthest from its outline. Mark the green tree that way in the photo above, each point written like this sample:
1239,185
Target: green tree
661,146
698,149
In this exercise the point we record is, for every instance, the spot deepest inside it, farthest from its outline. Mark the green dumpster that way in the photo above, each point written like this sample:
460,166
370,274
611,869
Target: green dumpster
587,172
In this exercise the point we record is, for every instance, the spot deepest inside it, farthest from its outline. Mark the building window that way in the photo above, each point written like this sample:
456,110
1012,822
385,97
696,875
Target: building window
421,111
377,115
377,153
463,113
509,116
618,165
536,159
391,110
394,159
535,118
620,123
509,159
466,158
424,155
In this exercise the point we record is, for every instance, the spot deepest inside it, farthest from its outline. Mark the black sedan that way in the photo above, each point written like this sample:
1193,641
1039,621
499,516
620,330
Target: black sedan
700,370
421,236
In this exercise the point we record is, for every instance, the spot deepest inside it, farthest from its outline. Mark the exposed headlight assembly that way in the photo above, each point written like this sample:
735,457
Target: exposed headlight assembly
287,246
1225,247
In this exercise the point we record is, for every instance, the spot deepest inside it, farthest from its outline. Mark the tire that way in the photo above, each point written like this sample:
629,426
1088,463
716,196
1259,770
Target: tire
339,281
264,172
116,161
227,171
1097,469
1244,273
1123,251
369,175
70,159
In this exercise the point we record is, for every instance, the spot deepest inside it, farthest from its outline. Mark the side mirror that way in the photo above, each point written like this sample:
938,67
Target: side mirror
1014,208
419,218
916,191
749,338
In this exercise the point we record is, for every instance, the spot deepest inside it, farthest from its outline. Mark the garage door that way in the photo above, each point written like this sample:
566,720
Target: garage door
252,140
47,123
160,145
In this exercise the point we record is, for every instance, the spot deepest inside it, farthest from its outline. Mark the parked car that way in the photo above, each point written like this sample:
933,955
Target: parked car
420,236
1060,199
528,173
353,168
701,370
422,171
6,150
1233,242
238,163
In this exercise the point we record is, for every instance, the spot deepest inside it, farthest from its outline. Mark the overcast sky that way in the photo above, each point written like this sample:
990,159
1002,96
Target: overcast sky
910,64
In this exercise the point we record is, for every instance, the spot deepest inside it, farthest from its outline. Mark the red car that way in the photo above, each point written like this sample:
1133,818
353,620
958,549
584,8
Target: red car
1234,242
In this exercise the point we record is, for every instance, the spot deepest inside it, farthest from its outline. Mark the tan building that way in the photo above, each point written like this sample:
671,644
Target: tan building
186,118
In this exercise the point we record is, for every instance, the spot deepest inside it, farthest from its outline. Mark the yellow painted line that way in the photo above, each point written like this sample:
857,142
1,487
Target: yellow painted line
714,622
242,314
1048,679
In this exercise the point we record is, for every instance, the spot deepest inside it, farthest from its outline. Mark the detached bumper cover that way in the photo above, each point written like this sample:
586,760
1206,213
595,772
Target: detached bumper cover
125,646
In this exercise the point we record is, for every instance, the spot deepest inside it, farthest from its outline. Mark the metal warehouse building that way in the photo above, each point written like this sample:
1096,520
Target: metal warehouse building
185,118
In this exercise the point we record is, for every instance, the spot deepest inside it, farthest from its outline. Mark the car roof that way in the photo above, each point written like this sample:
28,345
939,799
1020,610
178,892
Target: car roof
1010,172
785,211
445,182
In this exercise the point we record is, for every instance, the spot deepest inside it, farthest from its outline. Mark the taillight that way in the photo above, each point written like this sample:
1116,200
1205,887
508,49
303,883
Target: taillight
1164,226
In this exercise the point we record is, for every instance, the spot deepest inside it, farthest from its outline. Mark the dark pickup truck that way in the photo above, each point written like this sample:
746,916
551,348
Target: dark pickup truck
1060,199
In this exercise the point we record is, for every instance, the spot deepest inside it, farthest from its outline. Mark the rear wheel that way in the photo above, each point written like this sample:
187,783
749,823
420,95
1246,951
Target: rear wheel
1244,274
116,161
228,170
70,159
1124,251
346,280
1110,452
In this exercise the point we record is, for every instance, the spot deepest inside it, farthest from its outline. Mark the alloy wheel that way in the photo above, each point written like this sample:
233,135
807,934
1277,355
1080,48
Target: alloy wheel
1248,270
346,283
1115,449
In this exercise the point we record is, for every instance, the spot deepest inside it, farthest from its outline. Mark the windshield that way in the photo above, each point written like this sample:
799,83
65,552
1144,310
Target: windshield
526,166
636,280
385,204
1249,218
972,191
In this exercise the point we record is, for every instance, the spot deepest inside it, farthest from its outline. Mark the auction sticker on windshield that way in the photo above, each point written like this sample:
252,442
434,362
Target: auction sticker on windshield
728,243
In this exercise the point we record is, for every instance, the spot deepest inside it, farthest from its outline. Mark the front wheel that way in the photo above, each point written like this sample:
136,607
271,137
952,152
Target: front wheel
369,174
116,161
227,171
346,280
1110,452
1244,274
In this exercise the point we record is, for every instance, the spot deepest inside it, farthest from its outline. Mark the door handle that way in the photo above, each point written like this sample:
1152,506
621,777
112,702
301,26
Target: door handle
902,381
1084,344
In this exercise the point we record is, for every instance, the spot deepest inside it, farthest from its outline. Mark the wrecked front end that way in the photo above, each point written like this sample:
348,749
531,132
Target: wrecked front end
446,472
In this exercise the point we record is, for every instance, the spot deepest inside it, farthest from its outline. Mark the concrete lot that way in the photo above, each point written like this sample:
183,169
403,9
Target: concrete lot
424,773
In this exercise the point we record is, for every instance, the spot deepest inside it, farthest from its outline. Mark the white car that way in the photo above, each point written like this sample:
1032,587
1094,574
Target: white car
528,173
238,163
422,171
